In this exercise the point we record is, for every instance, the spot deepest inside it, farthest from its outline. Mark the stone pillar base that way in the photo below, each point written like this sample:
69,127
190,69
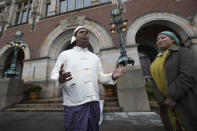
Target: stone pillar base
132,93
11,92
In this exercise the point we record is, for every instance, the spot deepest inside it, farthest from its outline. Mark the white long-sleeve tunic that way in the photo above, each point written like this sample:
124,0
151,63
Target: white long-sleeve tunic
86,71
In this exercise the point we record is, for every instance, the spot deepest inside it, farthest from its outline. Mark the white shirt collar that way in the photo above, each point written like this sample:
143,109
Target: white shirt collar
80,48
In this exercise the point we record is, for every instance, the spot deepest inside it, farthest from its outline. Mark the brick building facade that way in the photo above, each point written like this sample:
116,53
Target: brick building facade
48,27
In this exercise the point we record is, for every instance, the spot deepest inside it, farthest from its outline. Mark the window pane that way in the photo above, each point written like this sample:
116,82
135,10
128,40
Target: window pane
48,9
24,16
30,3
87,3
1,12
70,5
20,6
29,13
78,4
103,1
62,6
17,18
26,5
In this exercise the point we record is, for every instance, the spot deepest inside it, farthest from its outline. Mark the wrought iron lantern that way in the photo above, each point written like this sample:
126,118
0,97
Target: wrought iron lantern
15,45
118,24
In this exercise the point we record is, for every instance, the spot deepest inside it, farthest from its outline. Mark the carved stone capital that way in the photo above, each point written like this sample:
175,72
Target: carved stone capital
35,5
8,2
94,2
18,1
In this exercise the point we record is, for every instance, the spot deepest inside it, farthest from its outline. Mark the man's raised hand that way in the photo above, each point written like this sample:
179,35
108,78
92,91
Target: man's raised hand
118,72
64,76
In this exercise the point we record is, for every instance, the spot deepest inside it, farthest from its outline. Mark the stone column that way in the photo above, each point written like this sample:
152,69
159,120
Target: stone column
11,92
131,90
12,7
53,7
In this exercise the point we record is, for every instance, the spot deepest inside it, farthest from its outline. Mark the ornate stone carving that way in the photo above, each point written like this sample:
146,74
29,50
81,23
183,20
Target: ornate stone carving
4,17
94,2
35,13
72,22
8,2
35,6
17,1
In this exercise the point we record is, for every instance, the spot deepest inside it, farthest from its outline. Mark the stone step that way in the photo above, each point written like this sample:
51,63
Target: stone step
59,109
60,100
55,104
49,100
34,110
110,99
111,109
111,104
47,105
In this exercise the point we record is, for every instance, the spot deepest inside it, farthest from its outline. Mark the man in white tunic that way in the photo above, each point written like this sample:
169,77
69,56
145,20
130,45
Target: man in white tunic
78,72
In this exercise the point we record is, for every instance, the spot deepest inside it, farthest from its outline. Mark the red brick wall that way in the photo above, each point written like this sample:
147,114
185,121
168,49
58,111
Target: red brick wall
185,8
2,1
101,14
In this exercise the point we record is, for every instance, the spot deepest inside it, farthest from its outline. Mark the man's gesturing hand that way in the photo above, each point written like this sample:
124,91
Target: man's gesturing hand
64,76
118,72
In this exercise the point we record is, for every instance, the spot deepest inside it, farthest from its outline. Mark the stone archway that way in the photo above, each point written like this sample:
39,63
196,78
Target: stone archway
144,30
175,22
62,42
147,34
99,37
146,39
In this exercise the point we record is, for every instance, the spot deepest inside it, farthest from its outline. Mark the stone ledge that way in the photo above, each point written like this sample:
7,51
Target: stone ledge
131,121
135,118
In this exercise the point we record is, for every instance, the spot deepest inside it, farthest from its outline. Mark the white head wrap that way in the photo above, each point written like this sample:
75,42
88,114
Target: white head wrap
73,39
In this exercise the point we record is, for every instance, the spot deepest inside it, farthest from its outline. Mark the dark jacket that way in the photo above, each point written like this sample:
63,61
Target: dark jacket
181,78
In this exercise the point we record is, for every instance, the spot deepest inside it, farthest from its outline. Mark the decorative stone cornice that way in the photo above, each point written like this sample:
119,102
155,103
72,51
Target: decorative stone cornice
72,22
8,2
94,2
19,1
